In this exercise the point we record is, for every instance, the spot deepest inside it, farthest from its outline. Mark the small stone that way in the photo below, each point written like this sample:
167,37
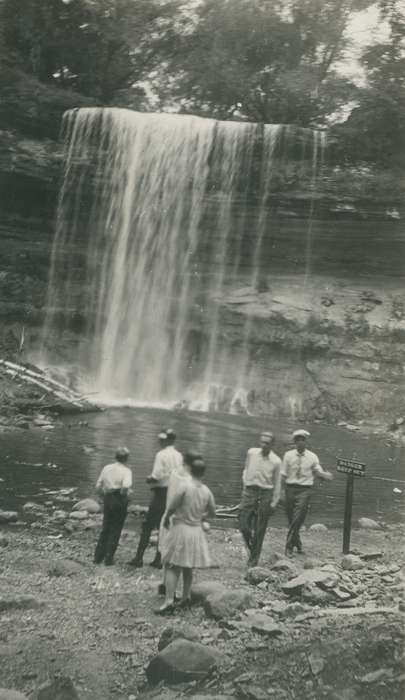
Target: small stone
65,567
258,574
308,576
8,516
256,693
88,504
171,633
123,644
375,676
317,664
227,603
182,661
79,515
294,609
318,527
201,591
341,594
3,541
315,596
284,565
369,524
6,694
351,562
255,646
369,556
263,624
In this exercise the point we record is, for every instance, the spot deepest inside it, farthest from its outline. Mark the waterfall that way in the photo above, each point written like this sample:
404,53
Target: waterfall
148,244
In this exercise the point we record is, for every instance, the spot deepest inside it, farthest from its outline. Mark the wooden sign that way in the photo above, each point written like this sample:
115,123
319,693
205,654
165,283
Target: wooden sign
350,466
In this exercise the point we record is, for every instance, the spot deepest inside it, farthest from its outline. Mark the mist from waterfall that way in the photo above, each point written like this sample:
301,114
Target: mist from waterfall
146,247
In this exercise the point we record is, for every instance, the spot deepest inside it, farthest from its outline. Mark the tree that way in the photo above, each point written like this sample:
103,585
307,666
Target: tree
93,46
263,60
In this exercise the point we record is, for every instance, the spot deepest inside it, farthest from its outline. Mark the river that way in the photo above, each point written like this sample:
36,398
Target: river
72,454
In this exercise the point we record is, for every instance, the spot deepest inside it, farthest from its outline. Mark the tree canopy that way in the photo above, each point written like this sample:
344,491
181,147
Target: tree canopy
261,60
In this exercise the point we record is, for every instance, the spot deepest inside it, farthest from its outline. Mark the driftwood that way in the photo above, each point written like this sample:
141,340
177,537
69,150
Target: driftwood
56,397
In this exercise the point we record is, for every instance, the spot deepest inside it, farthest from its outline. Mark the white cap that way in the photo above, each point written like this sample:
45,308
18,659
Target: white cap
301,433
266,436
162,436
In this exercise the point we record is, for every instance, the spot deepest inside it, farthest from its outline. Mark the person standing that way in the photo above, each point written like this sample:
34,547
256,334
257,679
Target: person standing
299,469
260,494
167,460
186,546
113,486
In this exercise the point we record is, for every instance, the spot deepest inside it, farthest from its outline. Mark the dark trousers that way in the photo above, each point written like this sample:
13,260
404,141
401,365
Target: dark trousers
254,514
115,512
296,506
154,515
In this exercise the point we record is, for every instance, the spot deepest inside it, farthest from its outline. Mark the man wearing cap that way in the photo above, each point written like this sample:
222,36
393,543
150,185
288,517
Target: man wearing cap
298,472
260,494
167,460
113,485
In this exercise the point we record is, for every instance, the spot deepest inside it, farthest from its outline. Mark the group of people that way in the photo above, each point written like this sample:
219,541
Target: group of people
181,505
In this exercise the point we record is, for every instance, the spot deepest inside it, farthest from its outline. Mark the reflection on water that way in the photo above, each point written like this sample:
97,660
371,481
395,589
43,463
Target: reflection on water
73,454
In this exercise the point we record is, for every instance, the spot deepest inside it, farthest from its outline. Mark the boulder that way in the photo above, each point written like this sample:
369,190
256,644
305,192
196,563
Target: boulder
308,576
201,591
313,595
351,562
65,567
318,527
170,634
31,507
59,515
182,661
88,504
263,624
258,574
20,602
8,516
369,524
227,603
6,694
60,688
285,565
79,515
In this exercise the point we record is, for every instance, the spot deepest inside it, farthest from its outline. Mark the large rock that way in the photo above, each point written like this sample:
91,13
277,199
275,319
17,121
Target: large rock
88,504
263,624
369,524
318,527
182,661
8,516
351,562
60,688
20,602
6,694
258,574
65,567
201,591
170,634
308,576
313,595
227,603
79,515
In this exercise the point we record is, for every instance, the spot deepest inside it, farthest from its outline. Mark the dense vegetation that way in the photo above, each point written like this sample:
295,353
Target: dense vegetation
262,60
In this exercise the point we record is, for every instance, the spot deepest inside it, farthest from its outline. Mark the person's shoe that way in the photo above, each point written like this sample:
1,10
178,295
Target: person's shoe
165,610
97,561
161,589
289,552
300,551
109,562
156,563
184,604
136,563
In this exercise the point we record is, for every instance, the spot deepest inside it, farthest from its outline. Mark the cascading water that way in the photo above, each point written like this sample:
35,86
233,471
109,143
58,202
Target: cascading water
147,244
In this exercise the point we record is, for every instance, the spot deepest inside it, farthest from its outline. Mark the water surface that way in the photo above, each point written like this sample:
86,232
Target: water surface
72,455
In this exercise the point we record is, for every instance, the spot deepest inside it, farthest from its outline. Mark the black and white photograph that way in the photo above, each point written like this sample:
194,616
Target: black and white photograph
202,349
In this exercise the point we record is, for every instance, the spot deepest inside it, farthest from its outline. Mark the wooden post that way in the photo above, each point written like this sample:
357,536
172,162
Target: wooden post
348,514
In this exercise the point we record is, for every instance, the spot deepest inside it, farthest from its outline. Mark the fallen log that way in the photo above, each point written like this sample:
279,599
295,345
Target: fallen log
57,397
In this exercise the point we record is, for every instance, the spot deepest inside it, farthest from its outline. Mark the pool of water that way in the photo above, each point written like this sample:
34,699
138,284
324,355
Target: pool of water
73,454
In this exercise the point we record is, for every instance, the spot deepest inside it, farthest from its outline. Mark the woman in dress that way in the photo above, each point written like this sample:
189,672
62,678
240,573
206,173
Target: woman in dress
186,547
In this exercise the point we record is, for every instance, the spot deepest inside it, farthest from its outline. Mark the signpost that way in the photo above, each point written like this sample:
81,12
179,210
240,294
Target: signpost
352,468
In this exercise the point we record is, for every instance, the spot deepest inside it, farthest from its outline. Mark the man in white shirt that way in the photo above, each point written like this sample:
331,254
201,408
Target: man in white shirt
298,472
167,460
260,495
113,485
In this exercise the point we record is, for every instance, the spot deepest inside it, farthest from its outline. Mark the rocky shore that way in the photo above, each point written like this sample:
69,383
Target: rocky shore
316,626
